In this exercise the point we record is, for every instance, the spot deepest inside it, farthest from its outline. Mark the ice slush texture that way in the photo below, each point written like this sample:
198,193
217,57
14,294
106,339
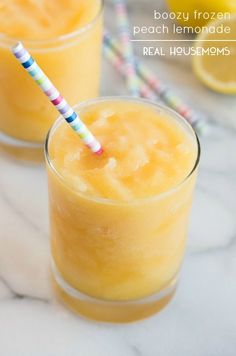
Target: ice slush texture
146,152
45,19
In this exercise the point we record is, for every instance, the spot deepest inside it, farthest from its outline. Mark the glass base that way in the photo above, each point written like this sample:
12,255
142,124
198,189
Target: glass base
110,311
22,150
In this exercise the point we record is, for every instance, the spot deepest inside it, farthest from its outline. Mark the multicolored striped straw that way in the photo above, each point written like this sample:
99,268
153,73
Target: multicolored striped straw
30,65
119,65
169,98
126,46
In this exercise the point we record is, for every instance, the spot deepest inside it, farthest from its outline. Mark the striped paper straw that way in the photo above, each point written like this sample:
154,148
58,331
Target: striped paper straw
126,46
30,65
169,98
119,65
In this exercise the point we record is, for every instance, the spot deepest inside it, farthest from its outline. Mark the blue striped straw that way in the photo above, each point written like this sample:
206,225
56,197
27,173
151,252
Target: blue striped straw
72,118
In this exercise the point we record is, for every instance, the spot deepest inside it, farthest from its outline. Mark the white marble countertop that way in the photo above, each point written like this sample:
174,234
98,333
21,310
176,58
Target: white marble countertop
200,321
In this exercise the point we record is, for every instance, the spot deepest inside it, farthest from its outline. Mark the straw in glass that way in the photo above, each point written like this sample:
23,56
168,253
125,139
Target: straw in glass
72,118
126,46
169,98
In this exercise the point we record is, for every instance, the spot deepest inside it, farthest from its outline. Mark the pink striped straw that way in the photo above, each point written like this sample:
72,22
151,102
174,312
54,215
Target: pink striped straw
144,74
119,65
126,46
72,118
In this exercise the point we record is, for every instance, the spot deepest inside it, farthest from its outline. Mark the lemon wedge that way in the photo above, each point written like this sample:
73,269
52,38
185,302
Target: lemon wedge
216,66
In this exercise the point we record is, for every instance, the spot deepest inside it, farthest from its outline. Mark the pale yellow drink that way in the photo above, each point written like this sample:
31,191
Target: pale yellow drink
119,220
65,37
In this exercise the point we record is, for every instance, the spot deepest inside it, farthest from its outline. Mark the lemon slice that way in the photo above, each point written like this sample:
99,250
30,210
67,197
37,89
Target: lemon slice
216,67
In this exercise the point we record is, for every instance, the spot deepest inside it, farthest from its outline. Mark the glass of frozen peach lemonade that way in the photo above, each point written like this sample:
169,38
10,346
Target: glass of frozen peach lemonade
119,220
65,38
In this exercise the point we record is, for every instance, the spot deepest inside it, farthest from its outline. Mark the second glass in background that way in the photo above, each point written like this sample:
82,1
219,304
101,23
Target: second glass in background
71,61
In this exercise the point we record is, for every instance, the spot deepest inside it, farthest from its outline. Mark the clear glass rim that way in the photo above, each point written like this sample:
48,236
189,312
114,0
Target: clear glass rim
108,201
60,39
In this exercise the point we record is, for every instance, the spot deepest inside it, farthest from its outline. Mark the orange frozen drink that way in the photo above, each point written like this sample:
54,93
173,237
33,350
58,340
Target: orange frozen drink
65,38
119,220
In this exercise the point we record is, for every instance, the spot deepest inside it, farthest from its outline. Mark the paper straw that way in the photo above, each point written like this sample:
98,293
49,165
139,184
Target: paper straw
119,65
168,97
30,65
126,46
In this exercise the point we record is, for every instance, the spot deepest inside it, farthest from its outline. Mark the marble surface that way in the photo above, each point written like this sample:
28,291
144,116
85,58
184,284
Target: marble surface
200,321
